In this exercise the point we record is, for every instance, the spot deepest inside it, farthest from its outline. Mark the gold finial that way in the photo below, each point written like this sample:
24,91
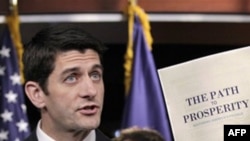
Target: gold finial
12,4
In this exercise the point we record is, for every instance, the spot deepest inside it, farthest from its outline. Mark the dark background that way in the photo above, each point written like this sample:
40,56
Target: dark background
174,42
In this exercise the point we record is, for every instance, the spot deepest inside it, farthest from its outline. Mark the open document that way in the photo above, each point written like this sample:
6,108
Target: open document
204,94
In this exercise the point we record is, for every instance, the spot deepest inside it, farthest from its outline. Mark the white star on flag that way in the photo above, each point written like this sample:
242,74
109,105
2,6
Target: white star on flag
24,108
5,52
22,126
11,96
16,79
3,135
7,116
2,69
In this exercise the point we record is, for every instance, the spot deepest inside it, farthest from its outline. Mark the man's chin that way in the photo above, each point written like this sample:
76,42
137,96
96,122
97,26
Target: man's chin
91,124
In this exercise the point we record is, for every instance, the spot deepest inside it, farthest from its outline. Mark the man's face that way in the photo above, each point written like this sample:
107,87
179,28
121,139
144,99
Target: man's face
76,91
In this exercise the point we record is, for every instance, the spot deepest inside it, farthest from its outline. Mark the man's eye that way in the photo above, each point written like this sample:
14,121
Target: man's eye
71,79
95,76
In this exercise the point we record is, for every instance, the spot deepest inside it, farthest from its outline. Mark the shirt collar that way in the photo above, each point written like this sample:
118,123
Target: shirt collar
42,136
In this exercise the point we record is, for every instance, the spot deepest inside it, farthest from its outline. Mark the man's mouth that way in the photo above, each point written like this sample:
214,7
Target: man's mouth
89,110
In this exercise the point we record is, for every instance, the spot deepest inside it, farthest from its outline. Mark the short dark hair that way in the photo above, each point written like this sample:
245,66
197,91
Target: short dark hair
40,53
140,135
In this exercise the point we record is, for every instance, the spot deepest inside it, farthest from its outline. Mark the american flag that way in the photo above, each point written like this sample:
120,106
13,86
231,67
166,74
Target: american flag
14,124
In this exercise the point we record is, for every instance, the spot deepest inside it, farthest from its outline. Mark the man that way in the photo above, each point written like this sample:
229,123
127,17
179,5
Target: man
64,79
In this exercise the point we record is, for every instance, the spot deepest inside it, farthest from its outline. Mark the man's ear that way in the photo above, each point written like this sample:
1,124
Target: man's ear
35,94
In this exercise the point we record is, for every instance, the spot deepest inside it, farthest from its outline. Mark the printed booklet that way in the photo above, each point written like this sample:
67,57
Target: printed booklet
204,94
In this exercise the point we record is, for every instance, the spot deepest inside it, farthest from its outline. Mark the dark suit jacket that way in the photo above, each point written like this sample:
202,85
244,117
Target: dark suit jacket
99,136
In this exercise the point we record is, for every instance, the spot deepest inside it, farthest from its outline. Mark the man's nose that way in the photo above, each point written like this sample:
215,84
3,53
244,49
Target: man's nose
88,88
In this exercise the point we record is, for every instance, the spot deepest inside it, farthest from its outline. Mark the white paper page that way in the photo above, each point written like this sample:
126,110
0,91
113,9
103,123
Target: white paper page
204,94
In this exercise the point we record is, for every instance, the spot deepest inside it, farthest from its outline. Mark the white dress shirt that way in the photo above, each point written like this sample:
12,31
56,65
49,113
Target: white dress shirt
42,136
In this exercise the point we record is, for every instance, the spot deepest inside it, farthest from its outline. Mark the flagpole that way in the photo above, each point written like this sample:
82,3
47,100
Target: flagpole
13,22
12,4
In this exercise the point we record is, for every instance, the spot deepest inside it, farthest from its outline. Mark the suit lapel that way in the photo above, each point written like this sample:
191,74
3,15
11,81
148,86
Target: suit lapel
100,136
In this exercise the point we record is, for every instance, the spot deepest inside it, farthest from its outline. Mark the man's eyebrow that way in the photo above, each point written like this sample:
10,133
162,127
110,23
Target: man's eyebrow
98,66
74,69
